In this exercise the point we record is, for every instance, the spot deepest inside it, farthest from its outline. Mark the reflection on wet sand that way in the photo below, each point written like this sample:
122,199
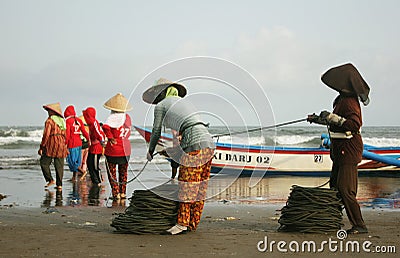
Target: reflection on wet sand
49,197
83,193
379,192
372,191
267,190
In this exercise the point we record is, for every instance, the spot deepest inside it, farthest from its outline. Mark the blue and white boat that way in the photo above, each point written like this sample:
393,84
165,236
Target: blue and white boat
276,160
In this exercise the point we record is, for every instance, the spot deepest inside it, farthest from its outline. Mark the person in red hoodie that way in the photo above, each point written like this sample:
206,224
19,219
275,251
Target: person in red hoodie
75,127
97,141
118,149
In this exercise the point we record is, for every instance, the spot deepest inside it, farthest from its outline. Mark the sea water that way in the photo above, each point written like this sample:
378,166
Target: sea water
22,182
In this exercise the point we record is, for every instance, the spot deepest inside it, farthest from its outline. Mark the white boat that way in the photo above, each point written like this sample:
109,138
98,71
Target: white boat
275,160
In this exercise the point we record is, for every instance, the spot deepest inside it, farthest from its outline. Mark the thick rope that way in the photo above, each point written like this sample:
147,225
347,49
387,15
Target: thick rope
311,210
130,180
127,182
148,212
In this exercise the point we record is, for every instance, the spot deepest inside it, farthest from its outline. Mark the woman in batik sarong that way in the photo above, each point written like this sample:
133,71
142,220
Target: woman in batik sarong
194,153
118,149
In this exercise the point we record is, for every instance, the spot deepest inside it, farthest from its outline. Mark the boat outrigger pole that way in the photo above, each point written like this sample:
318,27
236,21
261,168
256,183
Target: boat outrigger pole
369,154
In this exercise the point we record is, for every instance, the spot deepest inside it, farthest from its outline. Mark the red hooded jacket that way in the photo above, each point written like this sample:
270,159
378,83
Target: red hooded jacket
97,136
122,145
75,127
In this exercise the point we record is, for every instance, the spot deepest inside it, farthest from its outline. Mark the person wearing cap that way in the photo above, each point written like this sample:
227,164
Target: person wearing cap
53,146
97,141
118,148
346,142
75,128
194,153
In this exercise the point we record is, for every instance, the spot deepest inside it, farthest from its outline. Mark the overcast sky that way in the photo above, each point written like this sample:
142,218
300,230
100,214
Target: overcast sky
84,52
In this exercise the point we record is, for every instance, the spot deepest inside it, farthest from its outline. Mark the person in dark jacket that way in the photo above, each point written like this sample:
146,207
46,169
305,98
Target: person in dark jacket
346,142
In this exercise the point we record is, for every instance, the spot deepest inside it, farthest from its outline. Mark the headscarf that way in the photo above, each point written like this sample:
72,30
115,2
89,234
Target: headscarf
59,121
115,119
171,92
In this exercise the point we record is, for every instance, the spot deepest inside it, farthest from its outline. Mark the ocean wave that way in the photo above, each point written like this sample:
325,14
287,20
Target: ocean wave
256,140
22,162
16,136
18,141
296,139
28,136
136,137
381,141
292,140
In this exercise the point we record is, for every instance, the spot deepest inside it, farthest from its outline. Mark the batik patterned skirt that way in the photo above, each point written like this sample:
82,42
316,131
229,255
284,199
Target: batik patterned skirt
194,173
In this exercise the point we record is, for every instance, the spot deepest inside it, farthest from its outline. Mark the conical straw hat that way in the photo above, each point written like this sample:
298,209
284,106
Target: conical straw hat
55,107
118,103
346,78
155,93
83,119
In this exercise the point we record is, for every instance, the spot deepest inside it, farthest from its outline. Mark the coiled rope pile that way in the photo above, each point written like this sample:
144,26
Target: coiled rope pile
150,211
311,210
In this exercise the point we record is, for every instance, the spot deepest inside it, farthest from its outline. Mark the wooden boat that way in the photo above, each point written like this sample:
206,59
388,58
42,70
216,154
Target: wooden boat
245,160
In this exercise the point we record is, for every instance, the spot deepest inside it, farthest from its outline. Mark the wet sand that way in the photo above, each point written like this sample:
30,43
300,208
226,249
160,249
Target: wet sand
226,230
234,221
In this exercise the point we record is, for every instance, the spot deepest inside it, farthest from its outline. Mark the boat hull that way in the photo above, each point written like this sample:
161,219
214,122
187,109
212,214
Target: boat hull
247,160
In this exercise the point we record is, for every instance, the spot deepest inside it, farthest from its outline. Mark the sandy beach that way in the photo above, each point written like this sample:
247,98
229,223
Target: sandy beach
256,75
237,220
226,230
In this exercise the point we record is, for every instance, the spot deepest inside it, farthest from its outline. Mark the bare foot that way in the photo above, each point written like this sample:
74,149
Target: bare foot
83,176
52,182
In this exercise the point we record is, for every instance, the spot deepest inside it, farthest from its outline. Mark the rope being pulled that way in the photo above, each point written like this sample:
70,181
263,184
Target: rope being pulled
261,128
134,176
311,210
148,212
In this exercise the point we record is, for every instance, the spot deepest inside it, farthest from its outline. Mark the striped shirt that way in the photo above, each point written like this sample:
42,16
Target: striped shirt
53,140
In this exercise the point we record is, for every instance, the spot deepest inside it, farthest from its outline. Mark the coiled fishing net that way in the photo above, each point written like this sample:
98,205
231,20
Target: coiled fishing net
311,210
150,211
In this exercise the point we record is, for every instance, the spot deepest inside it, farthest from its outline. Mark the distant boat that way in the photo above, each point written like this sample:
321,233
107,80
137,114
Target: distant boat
277,160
